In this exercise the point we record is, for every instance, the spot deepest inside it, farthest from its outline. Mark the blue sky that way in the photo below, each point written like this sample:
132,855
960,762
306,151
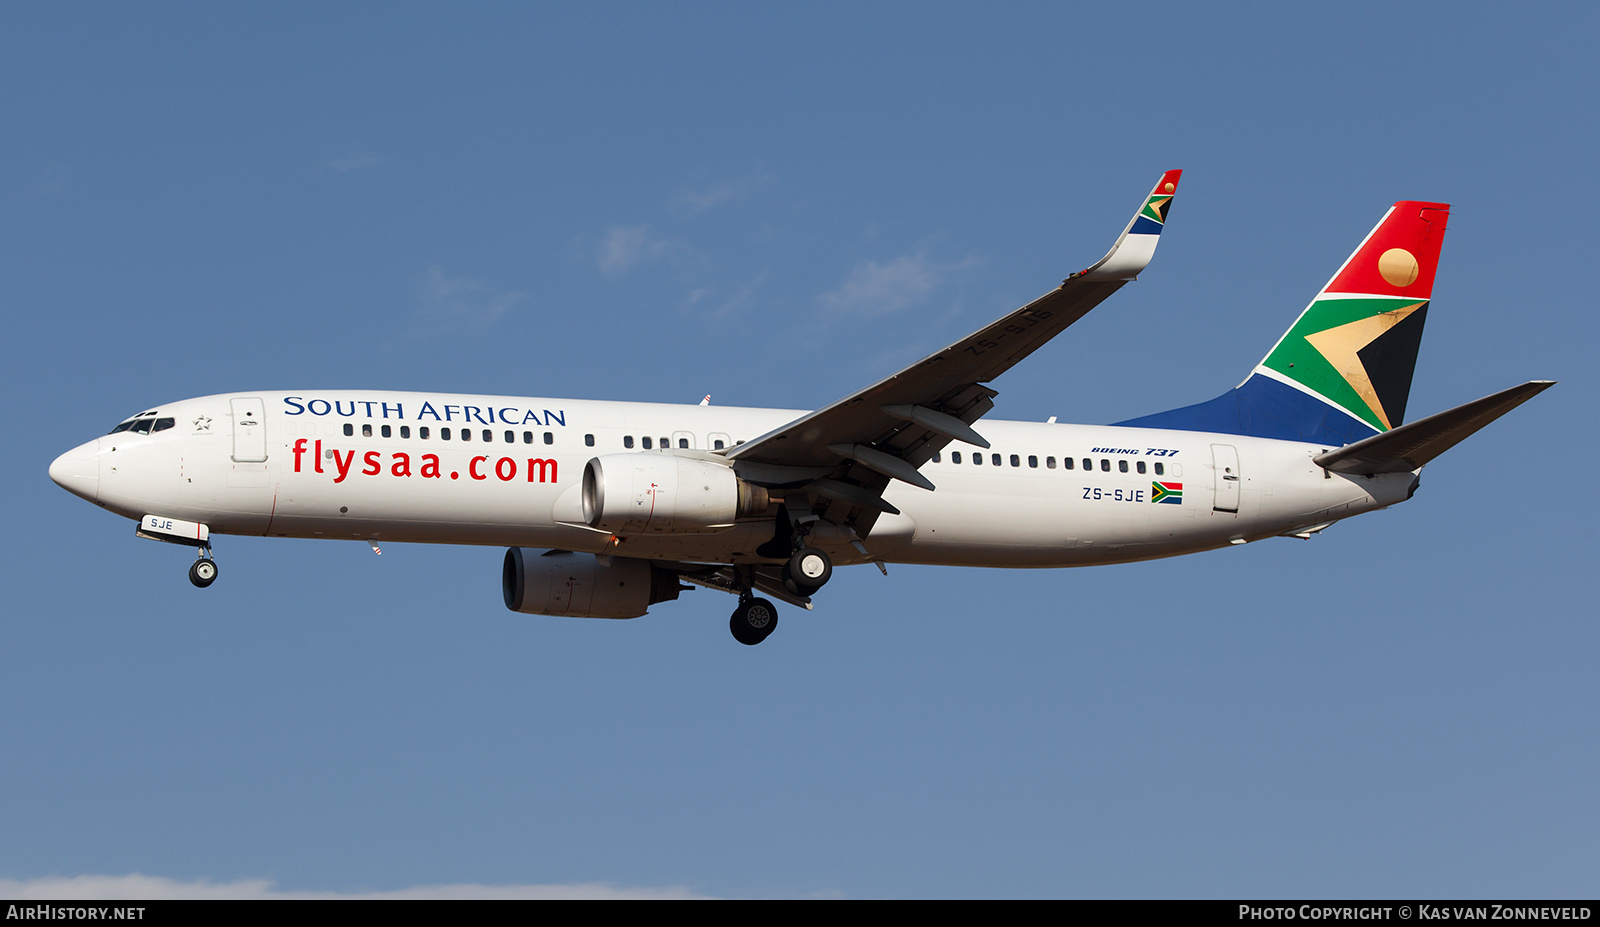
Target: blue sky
775,207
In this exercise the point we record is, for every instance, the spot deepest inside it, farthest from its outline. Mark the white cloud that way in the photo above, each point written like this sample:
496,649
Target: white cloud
876,289
626,247
137,887
453,303
726,191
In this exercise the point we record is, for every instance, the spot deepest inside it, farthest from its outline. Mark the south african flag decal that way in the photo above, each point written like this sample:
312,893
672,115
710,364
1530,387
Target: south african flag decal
1170,493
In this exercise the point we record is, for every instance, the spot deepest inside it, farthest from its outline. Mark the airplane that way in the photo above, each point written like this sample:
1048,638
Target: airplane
608,508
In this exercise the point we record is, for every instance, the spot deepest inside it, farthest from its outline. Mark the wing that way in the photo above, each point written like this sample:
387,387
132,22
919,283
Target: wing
847,452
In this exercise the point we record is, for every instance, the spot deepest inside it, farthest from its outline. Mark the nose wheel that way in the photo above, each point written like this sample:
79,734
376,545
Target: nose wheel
203,572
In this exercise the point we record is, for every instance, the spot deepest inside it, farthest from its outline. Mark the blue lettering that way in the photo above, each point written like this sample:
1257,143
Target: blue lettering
339,408
507,415
447,410
427,409
398,412
312,407
293,401
368,404
532,416
470,414
560,417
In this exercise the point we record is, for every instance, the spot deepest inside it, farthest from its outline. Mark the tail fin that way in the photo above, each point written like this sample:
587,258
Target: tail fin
1342,372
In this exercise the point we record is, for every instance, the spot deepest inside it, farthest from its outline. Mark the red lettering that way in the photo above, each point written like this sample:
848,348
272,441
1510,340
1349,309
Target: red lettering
541,465
472,469
402,465
343,463
373,468
316,459
505,468
430,466
299,450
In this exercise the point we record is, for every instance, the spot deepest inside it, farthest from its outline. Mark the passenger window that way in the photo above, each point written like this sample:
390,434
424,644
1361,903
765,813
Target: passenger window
405,431
1017,461
1066,463
1050,463
718,445
422,432
1088,464
488,436
994,459
466,434
366,430
349,429
1105,465
1161,469
935,456
683,442
1122,466
1033,462
444,434
387,431
664,443
977,459
955,456
527,437
549,438
511,437
1139,466
645,443
588,440
627,441
162,424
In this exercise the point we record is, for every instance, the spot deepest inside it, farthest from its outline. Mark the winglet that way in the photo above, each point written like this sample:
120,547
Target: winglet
1137,245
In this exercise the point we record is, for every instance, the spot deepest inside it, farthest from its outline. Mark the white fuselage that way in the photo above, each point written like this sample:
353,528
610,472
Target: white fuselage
356,466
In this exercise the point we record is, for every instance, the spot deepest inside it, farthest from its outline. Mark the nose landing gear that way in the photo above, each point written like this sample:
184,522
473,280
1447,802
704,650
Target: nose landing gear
203,572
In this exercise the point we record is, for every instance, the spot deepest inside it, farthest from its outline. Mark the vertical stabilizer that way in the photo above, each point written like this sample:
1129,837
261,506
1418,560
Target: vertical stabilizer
1343,371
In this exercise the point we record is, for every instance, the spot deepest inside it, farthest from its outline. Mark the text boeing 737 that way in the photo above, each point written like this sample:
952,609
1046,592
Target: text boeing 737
629,500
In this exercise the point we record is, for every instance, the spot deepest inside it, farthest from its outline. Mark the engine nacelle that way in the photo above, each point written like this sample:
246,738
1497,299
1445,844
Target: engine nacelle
560,582
665,494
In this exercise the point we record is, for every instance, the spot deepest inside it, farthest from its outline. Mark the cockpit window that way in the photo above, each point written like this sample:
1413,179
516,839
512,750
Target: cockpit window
143,424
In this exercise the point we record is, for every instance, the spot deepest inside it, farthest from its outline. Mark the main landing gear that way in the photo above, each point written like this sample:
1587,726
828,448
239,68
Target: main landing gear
753,620
808,570
203,572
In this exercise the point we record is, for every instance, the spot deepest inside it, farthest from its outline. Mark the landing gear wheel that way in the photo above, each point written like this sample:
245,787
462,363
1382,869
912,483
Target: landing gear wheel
752,621
807,571
203,572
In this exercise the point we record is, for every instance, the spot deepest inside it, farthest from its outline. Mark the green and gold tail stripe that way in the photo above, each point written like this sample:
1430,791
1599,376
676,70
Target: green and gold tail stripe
1357,353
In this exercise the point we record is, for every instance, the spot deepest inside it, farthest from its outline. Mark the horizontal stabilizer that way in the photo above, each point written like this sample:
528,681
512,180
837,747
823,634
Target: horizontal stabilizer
1410,446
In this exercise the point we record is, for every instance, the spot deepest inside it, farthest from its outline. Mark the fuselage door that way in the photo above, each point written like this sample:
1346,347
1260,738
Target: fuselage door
249,430
1225,460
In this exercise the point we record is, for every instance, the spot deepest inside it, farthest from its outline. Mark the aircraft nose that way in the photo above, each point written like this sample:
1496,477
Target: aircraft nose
78,471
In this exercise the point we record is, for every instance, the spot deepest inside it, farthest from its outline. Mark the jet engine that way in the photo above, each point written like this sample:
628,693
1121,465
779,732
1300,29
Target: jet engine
665,494
560,582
